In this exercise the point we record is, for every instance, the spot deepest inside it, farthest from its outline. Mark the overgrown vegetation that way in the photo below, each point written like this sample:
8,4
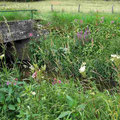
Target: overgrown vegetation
74,72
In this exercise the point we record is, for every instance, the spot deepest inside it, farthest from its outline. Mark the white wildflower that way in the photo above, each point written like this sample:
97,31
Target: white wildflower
32,68
82,69
118,57
112,59
113,56
28,107
2,56
68,36
42,77
33,93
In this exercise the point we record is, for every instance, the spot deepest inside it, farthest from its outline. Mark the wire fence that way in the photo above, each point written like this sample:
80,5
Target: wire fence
111,8
78,9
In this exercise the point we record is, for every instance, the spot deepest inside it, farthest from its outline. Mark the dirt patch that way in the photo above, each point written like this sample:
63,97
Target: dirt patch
55,2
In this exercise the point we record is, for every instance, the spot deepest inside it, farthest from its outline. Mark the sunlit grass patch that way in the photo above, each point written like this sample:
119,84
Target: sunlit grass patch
17,15
68,6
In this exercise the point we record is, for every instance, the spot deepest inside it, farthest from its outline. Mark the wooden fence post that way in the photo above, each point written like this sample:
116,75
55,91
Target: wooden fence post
63,10
79,8
52,8
31,14
112,8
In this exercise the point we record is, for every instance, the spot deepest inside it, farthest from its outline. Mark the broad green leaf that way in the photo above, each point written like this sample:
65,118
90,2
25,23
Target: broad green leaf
18,99
2,97
35,115
4,107
10,91
71,101
69,98
8,98
11,107
63,114
81,107
3,89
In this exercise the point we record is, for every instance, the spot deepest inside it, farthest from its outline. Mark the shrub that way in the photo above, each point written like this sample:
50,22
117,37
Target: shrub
10,89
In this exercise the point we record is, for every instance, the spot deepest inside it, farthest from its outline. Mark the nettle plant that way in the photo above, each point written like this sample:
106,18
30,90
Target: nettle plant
10,92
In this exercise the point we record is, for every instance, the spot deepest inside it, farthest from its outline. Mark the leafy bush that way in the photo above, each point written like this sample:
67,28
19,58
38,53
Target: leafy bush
10,89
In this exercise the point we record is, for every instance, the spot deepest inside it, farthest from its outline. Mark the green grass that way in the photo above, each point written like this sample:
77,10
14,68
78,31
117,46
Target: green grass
93,97
14,16
59,90
11,16
88,18
44,8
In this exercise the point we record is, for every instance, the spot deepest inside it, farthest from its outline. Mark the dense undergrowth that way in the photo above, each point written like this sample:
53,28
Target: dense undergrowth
74,72
79,38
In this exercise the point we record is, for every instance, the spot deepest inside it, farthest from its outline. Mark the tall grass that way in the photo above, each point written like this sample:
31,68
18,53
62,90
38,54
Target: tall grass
56,88
64,52
10,16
